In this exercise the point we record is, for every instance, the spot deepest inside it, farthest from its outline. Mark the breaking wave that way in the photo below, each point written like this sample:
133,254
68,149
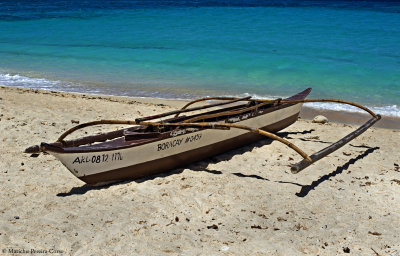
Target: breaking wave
390,110
46,84
33,83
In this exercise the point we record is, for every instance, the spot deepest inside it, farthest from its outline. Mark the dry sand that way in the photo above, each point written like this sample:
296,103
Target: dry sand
244,202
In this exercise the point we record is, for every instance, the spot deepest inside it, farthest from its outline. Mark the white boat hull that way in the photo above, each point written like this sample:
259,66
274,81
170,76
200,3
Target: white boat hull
99,167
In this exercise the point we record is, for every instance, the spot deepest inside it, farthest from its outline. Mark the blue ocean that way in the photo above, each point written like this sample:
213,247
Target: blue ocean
346,50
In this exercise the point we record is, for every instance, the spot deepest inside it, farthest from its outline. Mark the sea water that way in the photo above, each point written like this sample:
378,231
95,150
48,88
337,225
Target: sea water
347,50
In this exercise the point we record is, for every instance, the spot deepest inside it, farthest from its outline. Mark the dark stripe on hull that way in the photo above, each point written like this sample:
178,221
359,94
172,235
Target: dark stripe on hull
179,160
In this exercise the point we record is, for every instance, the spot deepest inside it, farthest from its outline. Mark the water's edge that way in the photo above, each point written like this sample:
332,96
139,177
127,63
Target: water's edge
307,113
389,111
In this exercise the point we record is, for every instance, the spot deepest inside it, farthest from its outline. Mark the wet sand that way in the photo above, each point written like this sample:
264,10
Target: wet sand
344,117
243,202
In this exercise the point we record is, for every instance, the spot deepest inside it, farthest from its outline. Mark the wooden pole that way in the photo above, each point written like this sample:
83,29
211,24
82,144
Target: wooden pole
210,98
80,126
177,112
226,113
296,168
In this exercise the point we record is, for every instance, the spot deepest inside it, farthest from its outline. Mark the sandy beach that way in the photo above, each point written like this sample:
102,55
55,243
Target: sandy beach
244,202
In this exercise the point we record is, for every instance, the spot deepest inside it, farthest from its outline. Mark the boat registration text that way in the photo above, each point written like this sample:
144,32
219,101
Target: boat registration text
96,159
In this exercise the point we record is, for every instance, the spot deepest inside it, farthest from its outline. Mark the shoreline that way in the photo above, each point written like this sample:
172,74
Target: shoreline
350,118
307,113
390,110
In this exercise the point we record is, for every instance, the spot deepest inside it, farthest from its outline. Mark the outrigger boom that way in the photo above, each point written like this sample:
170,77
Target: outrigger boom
185,139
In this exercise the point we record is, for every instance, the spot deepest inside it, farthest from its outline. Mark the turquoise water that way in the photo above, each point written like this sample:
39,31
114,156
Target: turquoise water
172,49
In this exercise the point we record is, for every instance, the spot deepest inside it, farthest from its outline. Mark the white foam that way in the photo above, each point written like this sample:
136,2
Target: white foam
23,81
391,110
45,84
42,83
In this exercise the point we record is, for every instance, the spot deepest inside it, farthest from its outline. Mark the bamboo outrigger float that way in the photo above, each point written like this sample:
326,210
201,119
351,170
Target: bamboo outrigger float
151,147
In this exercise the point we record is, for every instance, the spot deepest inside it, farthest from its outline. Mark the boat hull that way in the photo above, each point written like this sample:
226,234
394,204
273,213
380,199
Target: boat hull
101,167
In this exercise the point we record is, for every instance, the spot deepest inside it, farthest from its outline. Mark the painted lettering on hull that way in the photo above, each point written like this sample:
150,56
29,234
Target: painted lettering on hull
193,138
96,159
178,142
169,144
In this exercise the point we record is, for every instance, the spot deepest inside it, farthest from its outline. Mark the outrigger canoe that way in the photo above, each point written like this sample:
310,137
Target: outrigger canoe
152,147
